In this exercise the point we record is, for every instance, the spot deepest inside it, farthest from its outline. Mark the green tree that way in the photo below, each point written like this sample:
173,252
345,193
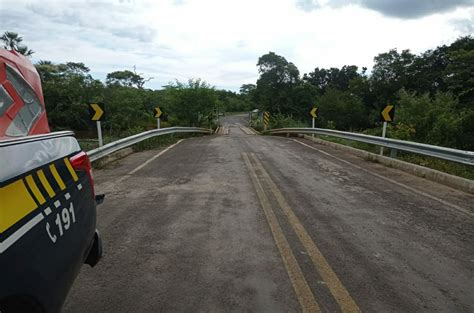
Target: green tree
435,120
428,71
126,78
190,103
304,97
277,79
342,109
13,41
389,75
323,79
460,72
230,101
247,89
126,109
67,89
248,94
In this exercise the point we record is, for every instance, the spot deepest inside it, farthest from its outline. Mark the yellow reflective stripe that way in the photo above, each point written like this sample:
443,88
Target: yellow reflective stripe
45,183
71,170
16,203
36,192
56,176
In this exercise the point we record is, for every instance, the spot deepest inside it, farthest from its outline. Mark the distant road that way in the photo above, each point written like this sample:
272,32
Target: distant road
241,222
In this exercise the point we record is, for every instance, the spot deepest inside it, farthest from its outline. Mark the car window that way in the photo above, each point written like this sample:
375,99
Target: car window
5,100
31,110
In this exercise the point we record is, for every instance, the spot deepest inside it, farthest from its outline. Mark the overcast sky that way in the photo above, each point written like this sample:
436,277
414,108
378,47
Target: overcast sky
220,40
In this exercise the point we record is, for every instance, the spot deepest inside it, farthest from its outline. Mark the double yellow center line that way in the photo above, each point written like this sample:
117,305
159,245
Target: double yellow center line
260,178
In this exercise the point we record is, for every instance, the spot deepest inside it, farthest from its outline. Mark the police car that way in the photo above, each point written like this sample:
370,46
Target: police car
47,198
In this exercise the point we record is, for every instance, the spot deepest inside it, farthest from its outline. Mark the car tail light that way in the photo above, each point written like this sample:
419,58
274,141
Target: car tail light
80,162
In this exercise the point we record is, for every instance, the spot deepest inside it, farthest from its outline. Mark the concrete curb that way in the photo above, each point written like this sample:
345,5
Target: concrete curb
456,182
112,157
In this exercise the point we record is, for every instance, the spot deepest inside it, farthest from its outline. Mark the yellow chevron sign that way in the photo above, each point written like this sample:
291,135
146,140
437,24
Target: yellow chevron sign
313,112
266,118
158,112
388,113
96,111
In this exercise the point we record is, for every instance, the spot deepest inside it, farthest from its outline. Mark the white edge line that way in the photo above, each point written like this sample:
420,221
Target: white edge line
20,232
421,193
47,211
153,158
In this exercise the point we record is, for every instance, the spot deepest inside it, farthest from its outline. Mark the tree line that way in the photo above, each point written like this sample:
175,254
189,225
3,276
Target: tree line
69,87
433,93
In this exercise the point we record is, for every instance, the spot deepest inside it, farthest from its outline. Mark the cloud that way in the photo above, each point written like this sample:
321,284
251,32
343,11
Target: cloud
404,9
218,41
414,8
179,2
464,25
98,16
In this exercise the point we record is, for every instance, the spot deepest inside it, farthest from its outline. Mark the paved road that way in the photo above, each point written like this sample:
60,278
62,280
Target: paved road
239,222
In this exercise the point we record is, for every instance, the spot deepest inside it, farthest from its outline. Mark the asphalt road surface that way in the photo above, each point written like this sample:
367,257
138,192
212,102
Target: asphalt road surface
237,222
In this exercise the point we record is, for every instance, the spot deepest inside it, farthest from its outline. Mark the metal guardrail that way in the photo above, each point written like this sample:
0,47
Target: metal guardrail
109,148
455,155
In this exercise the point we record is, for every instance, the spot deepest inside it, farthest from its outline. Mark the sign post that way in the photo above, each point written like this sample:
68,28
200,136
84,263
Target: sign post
266,119
99,134
96,113
387,115
158,114
384,132
313,114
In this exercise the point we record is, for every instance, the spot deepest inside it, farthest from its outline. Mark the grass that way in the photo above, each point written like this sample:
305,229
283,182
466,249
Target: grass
453,168
353,144
90,144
